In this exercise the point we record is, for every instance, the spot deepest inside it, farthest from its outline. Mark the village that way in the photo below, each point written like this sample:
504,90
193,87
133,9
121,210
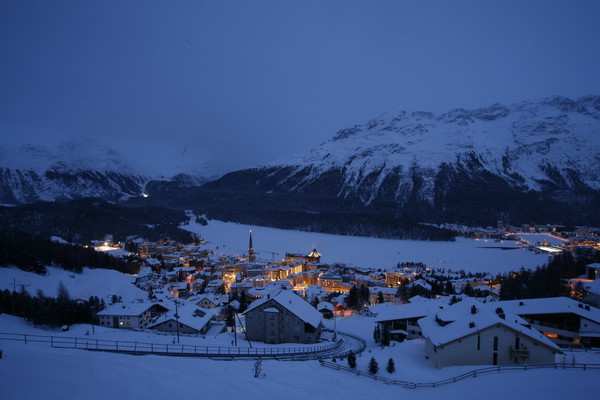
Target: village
192,291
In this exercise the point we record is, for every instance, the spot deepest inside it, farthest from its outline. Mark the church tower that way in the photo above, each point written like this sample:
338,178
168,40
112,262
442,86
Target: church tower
251,257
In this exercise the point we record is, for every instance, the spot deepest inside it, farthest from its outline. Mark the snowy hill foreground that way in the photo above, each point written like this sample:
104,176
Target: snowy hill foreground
34,371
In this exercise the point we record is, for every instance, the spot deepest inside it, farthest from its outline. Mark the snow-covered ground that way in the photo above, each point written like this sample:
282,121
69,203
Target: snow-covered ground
91,282
467,254
33,371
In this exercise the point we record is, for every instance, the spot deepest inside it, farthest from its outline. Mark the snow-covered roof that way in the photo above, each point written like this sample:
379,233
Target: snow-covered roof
405,311
549,305
325,305
383,290
190,315
208,296
458,321
294,304
127,309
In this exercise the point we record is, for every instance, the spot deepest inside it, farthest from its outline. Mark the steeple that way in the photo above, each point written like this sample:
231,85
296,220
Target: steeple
250,249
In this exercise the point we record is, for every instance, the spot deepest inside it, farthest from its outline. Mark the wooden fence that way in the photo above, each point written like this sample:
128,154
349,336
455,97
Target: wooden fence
470,374
140,348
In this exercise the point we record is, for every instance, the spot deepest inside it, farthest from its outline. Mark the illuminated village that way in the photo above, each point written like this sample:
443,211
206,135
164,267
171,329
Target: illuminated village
214,291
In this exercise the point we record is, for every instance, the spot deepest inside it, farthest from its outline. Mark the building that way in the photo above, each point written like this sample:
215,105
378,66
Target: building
565,321
388,294
593,271
129,315
399,322
469,333
189,320
208,301
282,318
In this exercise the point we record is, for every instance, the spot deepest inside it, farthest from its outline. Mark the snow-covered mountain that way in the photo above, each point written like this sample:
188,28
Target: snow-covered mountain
74,169
550,146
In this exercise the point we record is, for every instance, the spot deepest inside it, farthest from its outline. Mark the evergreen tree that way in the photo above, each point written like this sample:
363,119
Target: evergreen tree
386,336
352,299
243,302
373,366
391,367
380,298
376,333
62,294
363,294
352,360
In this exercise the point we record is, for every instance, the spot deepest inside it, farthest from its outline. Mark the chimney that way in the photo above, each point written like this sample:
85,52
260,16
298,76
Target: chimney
473,309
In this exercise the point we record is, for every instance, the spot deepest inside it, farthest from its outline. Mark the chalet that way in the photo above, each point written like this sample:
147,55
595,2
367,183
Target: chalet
388,294
400,321
283,318
190,320
208,301
180,289
130,315
469,333
565,321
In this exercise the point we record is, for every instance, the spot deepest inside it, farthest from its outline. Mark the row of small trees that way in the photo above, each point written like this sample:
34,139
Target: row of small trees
51,311
373,364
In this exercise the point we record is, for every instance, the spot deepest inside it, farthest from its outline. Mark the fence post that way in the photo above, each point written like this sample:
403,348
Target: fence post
52,341
25,338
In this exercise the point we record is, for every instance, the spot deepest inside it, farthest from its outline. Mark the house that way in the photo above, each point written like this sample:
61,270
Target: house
565,321
208,301
388,294
282,318
469,333
190,320
592,271
400,321
129,315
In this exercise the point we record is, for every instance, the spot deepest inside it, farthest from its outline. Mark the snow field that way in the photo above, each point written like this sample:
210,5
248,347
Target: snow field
467,254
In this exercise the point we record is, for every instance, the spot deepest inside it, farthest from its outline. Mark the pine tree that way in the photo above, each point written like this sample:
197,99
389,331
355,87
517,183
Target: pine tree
62,293
373,366
391,367
351,360
380,298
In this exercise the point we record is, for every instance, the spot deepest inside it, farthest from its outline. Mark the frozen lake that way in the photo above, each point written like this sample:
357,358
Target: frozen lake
272,244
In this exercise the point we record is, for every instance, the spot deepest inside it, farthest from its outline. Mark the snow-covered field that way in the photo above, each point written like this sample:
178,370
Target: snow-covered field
35,371
467,254
91,282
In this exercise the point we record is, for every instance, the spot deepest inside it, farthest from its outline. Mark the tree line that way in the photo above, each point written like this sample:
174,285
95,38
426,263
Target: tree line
50,311
33,252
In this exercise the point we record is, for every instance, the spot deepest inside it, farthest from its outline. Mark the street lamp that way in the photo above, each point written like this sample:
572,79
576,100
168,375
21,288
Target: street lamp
177,319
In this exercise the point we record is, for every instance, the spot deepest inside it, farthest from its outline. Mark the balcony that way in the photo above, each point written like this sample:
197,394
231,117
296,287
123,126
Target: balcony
519,353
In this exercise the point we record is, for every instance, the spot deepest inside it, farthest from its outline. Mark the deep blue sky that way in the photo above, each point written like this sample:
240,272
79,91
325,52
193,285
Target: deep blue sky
244,82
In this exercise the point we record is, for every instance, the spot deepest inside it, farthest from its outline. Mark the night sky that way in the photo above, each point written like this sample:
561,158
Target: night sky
240,83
